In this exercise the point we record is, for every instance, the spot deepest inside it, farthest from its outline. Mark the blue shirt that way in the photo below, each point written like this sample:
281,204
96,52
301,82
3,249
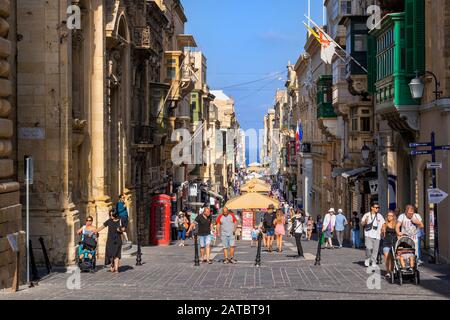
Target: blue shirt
121,210
340,222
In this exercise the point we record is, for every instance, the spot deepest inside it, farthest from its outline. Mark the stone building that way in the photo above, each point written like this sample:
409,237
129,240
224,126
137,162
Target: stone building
96,110
10,207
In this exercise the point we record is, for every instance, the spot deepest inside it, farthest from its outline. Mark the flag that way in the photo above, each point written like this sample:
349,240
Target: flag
298,135
328,47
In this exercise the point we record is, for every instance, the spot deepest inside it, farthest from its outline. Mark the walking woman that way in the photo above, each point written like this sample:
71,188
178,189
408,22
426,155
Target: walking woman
182,224
328,228
309,228
280,230
114,241
389,235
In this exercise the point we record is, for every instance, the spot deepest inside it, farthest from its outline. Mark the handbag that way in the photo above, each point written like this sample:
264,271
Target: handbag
369,226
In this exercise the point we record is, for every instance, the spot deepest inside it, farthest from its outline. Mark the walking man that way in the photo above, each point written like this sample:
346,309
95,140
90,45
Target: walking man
297,229
204,223
372,222
226,228
341,222
355,230
268,223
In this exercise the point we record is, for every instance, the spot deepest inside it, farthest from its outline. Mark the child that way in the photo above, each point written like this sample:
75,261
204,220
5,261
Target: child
255,233
405,252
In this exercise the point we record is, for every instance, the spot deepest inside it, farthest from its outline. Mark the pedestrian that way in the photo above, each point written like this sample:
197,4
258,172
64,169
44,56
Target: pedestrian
389,238
297,230
289,219
372,222
226,229
354,223
203,222
173,227
319,225
268,219
328,227
280,230
121,209
255,234
409,224
305,225
182,224
309,228
341,222
113,252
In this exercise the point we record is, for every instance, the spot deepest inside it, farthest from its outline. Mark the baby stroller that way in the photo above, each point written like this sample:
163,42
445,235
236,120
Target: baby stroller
405,250
87,247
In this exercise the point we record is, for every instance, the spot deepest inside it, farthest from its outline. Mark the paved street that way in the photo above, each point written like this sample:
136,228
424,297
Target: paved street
168,273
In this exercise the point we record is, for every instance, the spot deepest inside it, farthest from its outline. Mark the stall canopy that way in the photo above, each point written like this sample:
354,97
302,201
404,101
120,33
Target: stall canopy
251,200
256,187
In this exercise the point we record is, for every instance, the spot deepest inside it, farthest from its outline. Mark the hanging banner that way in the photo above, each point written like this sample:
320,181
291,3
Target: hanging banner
247,225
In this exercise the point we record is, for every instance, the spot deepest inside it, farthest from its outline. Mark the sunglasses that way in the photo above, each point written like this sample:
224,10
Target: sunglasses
376,207
89,220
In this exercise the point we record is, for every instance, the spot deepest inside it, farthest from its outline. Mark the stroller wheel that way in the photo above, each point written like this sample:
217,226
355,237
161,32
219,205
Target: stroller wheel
417,278
392,277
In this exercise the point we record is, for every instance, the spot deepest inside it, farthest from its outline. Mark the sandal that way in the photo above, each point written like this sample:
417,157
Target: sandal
210,262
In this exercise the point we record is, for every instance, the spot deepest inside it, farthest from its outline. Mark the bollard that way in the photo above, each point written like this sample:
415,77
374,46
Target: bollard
258,252
196,258
319,249
139,251
44,252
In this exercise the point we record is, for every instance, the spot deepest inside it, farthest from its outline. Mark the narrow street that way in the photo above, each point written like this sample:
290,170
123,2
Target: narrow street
169,273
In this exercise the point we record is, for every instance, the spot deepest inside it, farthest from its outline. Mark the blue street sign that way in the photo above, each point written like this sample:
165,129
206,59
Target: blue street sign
443,148
423,144
419,153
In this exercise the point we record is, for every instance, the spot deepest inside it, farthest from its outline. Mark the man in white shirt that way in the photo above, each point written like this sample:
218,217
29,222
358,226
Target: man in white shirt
372,222
409,224
329,221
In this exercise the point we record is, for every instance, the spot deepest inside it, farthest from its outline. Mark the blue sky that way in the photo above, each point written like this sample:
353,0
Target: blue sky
247,40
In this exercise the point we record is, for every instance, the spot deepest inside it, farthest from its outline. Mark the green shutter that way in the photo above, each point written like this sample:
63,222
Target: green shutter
419,35
371,63
415,35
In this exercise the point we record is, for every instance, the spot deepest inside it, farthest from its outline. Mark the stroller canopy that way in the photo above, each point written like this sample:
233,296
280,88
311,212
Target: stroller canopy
405,242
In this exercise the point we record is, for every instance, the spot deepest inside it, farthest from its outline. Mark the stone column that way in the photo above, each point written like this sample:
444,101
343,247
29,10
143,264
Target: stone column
98,124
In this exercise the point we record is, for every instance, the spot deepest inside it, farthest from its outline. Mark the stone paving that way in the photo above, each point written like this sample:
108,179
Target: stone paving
169,273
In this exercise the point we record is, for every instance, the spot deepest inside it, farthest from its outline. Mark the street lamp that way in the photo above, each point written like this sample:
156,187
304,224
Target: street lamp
365,151
417,86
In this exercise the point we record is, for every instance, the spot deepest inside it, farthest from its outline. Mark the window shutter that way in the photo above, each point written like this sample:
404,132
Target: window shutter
409,36
419,35
371,63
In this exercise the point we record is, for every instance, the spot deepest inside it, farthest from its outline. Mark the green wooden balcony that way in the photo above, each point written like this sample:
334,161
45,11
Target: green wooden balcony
395,52
325,97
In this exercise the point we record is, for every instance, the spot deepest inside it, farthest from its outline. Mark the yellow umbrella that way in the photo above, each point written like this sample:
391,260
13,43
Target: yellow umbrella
255,187
251,200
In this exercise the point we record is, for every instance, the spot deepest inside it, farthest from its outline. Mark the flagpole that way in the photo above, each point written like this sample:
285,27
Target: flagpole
337,44
309,14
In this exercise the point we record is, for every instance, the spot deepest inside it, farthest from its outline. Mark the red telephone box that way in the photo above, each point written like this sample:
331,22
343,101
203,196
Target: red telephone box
160,220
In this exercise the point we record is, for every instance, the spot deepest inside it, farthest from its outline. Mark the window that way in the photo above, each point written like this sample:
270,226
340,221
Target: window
346,7
360,43
171,73
365,124
354,119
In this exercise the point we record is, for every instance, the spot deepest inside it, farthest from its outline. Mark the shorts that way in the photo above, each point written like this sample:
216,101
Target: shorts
270,232
228,241
407,256
124,221
387,250
205,241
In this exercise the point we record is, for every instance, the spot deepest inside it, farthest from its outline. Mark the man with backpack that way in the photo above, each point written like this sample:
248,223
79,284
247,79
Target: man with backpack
269,228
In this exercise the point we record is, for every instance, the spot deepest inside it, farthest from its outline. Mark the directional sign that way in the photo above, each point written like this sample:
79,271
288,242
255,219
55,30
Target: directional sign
443,148
434,165
436,196
419,153
423,144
